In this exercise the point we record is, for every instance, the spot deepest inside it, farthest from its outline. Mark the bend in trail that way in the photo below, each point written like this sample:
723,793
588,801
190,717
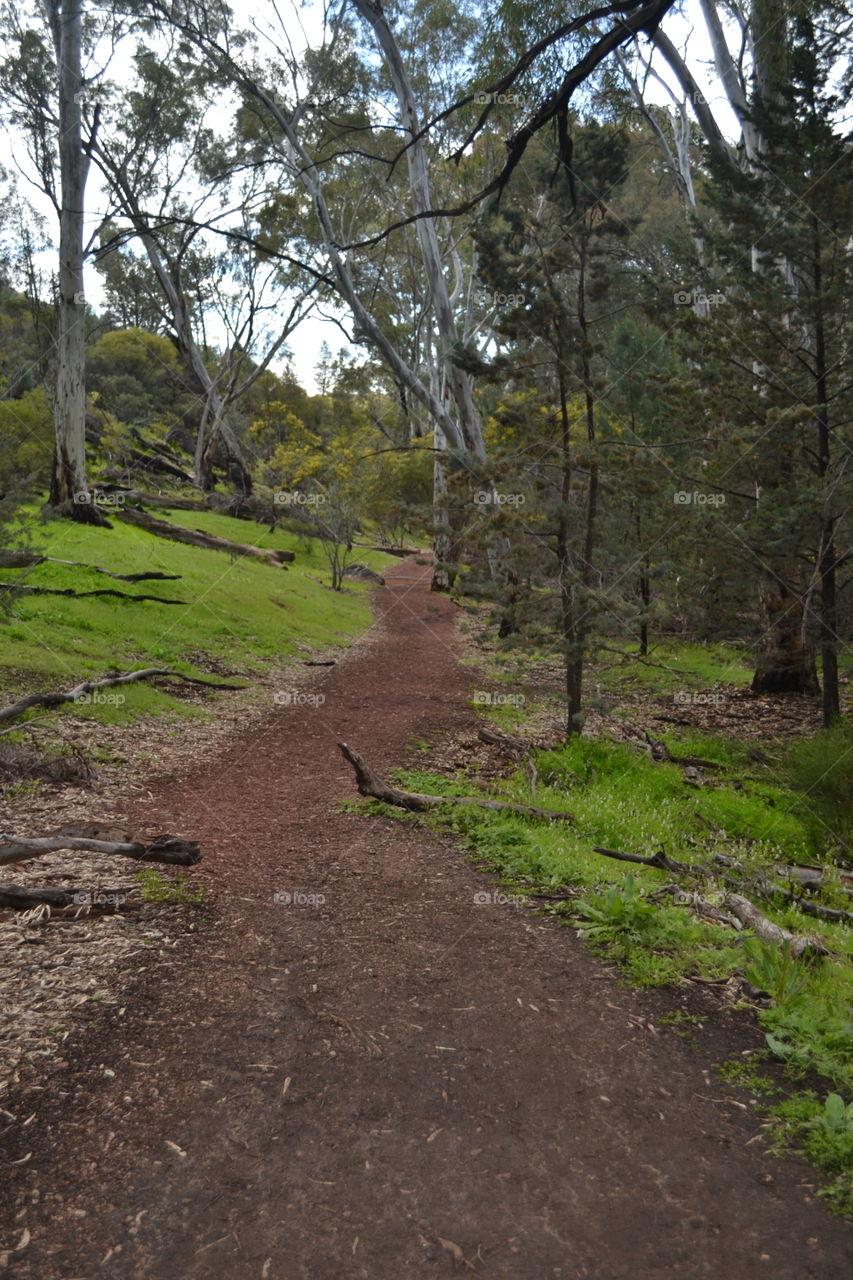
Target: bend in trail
382,1077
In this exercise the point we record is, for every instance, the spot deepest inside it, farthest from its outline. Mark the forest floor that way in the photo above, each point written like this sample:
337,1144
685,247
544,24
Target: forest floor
352,1066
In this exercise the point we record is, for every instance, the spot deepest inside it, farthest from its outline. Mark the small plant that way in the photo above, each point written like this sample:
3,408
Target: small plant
156,888
620,914
745,1074
773,967
836,1117
680,1018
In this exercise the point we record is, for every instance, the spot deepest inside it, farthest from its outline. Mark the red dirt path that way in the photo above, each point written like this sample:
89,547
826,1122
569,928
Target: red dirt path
397,1082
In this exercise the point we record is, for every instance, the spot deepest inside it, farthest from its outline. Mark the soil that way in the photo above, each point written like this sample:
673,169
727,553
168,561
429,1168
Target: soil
353,1066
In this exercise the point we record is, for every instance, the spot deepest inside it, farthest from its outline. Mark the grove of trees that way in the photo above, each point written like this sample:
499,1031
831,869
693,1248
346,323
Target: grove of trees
592,269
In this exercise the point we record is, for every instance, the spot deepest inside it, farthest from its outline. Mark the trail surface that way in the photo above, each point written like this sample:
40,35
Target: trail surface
398,1080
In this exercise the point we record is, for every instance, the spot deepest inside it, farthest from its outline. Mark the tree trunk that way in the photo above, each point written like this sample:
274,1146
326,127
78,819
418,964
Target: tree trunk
567,571
68,488
827,562
785,662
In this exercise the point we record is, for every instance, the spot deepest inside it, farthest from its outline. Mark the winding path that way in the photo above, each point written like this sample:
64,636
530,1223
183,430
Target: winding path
385,1078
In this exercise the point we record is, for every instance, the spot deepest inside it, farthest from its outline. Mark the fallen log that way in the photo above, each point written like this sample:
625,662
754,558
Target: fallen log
170,850
156,462
24,589
401,552
21,897
751,917
495,738
206,541
92,686
29,559
695,902
371,785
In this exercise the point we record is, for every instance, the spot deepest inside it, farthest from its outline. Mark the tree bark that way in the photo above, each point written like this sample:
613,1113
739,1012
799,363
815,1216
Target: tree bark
785,662
68,488
170,850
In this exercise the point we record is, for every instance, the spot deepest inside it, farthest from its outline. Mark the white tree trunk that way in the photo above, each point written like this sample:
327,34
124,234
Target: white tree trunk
458,380
68,484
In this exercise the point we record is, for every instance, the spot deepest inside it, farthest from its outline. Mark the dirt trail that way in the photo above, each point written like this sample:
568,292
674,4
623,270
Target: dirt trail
397,1081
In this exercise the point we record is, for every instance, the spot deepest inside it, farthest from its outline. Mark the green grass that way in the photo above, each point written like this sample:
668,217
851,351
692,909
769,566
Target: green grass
238,612
670,667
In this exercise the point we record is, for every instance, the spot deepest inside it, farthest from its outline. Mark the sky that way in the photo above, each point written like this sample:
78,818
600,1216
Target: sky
687,32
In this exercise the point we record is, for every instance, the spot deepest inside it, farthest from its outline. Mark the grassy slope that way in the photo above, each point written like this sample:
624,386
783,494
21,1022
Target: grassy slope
242,612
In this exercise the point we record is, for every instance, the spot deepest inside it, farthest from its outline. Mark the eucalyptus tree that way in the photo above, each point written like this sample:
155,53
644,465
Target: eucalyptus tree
49,76
172,183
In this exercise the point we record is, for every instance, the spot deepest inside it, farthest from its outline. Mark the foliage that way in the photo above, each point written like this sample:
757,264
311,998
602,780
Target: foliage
154,887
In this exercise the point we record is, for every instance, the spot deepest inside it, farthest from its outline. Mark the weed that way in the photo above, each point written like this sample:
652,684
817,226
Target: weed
620,914
743,1072
773,967
156,888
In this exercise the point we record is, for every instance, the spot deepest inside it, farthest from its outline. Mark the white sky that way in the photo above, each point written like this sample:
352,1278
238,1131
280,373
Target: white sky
687,32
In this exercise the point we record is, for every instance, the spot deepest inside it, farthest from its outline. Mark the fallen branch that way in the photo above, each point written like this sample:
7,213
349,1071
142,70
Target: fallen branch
369,784
196,538
29,559
659,859
833,914
21,897
751,917
24,589
91,686
171,850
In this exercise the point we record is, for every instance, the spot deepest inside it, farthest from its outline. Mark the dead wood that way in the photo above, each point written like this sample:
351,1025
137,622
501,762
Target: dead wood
833,914
23,589
751,917
29,559
91,686
402,552
170,850
22,897
659,859
495,738
196,538
695,902
370,784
